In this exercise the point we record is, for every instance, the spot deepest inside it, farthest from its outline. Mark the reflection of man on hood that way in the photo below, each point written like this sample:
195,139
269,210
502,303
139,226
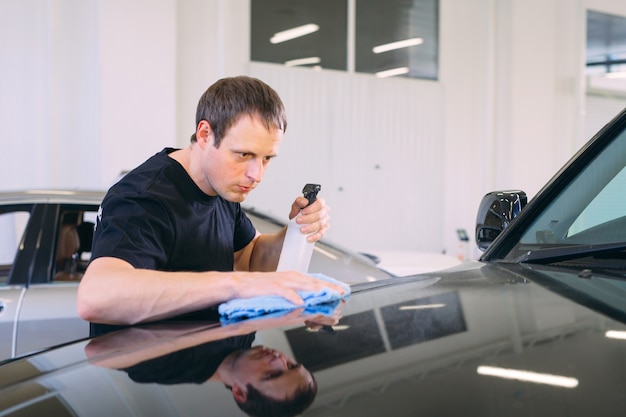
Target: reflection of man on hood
266,382
263,381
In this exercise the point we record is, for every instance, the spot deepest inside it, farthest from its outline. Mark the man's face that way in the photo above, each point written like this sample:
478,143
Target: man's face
238,165
270,372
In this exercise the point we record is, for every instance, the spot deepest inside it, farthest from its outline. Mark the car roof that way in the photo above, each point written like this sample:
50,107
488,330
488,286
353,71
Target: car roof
362,266
55,196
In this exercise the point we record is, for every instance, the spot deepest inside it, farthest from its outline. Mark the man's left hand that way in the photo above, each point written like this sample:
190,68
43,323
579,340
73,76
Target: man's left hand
314,219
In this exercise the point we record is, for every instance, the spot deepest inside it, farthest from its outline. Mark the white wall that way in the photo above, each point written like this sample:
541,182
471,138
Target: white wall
212,43
513,97
137,65
374,145
47,88
92,87
87,89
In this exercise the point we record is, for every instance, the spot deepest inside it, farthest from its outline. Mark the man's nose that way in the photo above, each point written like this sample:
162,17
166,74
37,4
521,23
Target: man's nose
279,361
255,170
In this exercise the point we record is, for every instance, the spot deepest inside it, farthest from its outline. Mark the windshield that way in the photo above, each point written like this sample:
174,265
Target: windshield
590,210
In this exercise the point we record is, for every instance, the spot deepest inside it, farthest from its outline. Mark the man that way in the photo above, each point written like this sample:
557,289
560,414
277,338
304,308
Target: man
266,382
171,237
263,381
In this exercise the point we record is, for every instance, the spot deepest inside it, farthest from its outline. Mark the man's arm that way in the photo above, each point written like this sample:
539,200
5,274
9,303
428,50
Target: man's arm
263,252
112,291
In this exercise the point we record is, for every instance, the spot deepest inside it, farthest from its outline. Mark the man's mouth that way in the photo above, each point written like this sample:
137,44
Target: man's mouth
245,189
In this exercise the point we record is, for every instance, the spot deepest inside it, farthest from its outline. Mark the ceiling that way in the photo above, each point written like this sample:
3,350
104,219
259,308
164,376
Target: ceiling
377,22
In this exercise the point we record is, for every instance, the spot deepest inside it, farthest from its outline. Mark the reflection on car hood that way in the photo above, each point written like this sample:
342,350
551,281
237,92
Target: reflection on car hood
484,340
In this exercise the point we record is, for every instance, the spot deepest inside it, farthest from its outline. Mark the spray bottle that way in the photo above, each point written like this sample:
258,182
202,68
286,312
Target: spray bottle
296,252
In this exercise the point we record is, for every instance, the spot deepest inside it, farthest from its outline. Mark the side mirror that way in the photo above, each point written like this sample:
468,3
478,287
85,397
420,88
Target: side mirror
495,212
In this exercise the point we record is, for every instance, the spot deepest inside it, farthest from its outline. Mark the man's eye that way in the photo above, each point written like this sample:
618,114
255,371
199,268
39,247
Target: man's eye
273,375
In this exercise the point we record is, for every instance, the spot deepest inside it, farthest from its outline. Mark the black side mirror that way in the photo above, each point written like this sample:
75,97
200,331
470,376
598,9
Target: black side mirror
495,212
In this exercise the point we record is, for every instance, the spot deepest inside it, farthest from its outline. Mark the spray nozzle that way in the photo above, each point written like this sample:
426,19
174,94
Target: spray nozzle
310,192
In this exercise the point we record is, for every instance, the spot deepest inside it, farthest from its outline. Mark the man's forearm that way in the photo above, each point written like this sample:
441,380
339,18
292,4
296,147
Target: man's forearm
266,251
113,292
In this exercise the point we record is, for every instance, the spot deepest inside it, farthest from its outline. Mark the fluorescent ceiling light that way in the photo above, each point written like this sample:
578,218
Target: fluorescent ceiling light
422,306
397,45
293,33
614,75
392,72
527,376
615,334
303,61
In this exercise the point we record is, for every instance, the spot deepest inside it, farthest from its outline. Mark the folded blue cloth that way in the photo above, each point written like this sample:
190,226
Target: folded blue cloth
326,309
316,302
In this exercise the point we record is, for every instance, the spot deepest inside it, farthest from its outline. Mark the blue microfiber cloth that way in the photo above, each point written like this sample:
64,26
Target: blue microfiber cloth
327,310
318,302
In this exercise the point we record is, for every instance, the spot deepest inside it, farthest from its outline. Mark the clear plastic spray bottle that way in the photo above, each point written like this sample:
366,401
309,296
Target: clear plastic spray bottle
296,252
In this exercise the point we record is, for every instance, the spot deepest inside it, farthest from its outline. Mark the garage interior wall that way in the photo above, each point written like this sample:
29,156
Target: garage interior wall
91,88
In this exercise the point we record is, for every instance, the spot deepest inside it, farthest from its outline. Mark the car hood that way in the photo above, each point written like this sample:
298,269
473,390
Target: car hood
479,339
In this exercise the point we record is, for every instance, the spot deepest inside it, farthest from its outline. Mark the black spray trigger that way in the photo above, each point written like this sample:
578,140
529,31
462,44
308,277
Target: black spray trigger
310,192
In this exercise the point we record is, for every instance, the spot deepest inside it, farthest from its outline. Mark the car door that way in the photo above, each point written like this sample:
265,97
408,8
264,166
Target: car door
9,301
37,311
15,220
48,315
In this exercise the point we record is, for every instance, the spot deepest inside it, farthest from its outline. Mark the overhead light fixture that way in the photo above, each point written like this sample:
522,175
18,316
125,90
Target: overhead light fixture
392,72
616,334
397,45
615,75
303,61
293,33
527,376
422,306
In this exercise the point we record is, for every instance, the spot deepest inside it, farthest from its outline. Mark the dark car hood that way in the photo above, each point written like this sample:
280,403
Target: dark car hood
423,345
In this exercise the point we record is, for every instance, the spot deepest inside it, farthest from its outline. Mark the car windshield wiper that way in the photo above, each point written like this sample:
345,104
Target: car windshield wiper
564,253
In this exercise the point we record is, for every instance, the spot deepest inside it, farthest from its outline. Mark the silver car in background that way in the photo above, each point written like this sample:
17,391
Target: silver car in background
45,245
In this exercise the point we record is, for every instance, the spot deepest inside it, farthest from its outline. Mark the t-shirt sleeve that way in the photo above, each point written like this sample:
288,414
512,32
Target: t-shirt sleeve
133,229
244,230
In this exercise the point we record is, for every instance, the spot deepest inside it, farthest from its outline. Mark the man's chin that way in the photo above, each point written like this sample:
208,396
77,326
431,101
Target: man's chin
237,197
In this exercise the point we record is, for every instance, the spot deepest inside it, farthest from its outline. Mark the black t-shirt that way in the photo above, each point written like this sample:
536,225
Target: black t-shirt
157,218
192,365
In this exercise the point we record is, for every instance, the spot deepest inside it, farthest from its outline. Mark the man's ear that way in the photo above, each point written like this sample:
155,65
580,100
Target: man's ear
240,394
204,133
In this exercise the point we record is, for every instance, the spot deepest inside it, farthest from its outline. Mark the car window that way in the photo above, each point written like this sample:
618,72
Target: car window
609,204
73,247
88,225
12,227
591,209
